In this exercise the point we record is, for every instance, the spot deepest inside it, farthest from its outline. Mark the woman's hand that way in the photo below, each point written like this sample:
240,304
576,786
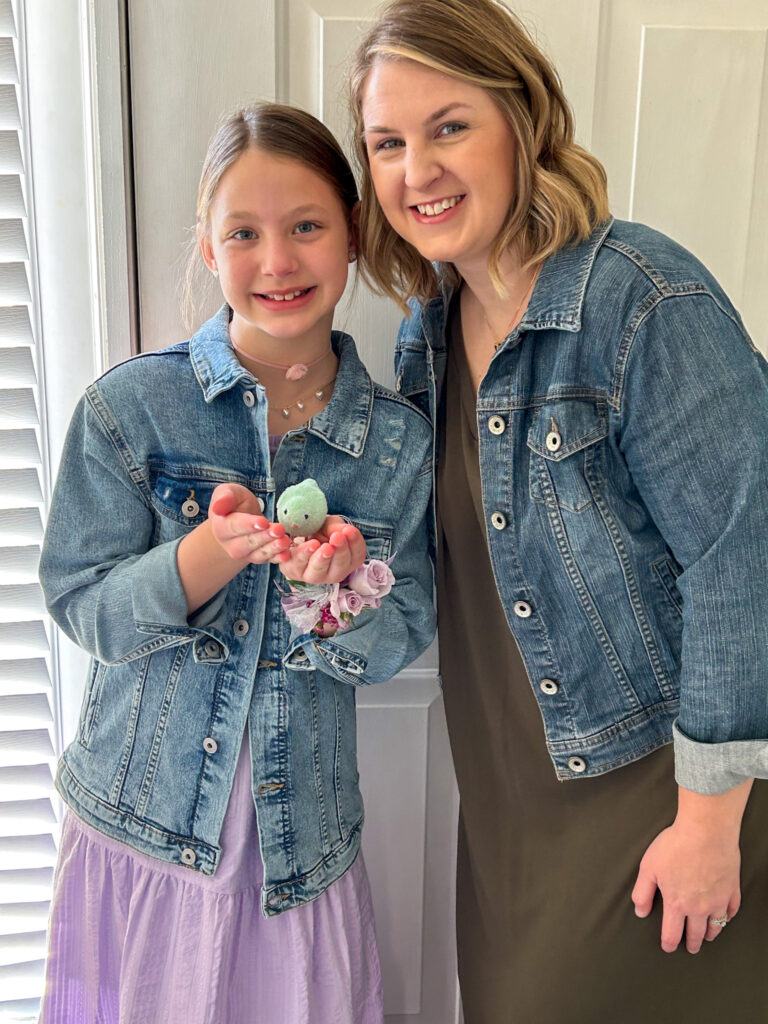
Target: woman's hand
329,556
695,865
242,531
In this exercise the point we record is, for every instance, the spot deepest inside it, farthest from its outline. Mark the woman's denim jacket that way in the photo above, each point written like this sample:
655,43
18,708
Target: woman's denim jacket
169,696
623,433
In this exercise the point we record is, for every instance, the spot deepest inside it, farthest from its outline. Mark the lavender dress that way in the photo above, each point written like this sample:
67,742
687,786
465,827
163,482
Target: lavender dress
135,940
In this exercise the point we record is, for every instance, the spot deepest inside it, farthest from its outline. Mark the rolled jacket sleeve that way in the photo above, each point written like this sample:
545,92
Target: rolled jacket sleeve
382,641
694,420
106,585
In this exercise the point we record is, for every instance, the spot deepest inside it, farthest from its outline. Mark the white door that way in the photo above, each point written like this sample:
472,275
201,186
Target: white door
668,93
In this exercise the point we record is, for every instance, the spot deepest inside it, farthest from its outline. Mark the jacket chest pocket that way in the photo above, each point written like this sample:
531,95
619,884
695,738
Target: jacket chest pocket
565,442
181,496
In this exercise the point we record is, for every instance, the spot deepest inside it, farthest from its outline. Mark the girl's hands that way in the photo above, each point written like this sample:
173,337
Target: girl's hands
246,535
695,865
242,531
327,557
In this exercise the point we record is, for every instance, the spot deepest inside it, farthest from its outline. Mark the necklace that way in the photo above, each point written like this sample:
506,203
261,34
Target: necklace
293,372
318,393
517,312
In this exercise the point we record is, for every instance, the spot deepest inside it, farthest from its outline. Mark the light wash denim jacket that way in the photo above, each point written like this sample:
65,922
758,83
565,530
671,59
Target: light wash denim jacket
169,696
623,432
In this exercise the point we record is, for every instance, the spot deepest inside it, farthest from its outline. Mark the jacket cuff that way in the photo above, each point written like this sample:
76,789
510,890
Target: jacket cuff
712,768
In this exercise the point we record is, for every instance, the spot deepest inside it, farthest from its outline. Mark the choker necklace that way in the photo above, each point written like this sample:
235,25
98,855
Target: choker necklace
293,372
517,312
318,393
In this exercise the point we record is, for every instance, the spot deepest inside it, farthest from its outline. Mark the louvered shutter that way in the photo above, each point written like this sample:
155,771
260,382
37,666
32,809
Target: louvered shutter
27,818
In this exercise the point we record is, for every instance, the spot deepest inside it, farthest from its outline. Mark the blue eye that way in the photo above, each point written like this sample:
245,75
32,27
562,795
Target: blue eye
451,128
244,235
305,227
386,144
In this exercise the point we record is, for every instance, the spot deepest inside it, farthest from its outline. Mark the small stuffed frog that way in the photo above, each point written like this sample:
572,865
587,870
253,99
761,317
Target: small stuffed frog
302,508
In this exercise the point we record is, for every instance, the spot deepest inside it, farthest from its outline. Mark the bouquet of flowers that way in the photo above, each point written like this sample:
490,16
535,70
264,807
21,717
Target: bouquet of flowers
328,608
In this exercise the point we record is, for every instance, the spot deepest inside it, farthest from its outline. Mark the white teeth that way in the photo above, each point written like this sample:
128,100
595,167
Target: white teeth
287,297
431,209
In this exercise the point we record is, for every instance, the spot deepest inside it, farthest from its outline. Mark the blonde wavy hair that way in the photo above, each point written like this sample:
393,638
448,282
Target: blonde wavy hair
561,189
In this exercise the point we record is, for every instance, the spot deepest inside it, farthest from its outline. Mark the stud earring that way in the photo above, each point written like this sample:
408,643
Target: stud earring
351,256
214,271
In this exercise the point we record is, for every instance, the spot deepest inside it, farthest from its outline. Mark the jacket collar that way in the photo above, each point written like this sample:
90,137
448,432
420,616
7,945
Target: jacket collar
343,423
557,300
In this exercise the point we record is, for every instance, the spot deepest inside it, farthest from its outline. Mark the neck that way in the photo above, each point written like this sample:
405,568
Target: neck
258,349
476,276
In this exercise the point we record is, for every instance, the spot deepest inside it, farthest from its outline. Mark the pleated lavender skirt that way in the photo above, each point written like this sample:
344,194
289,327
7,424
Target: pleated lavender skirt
133,940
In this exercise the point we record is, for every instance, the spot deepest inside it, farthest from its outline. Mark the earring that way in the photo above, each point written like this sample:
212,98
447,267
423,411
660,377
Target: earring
214,271
351,256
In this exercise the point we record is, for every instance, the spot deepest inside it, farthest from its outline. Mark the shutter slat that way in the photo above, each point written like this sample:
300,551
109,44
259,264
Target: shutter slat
21,525
19,564
14,286
22,981
19,448
9,108
13,240
7,21
27,852
28,781
21,603
25,675
22,947
19,487
20,639
23,917
18,408
11,161
23,817
24,711
11,197
24,885
15,325
17,368
8,72
27,746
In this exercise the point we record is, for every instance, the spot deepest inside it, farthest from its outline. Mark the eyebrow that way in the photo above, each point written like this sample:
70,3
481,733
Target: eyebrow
298,211
381,129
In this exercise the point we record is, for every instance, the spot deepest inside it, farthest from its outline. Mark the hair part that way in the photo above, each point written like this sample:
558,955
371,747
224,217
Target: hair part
277,129
561,189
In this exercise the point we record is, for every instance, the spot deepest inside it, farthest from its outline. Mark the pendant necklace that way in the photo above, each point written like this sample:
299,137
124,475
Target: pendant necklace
517,312
295,371
318,393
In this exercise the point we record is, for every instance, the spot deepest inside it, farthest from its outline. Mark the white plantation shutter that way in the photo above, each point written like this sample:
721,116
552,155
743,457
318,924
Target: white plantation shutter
27,818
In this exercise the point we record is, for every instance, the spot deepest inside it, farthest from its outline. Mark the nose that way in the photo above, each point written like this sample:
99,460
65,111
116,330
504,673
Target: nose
278,258
422,169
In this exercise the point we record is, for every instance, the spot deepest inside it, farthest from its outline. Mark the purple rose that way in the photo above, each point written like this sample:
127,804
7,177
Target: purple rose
350,602
372,579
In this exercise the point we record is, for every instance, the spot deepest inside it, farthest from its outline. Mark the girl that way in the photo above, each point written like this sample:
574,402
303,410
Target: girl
602,488
208,867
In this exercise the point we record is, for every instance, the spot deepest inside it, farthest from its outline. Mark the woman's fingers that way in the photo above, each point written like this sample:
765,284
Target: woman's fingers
644,891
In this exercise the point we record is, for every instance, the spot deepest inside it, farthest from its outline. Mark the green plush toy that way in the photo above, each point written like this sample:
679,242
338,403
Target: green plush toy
302,508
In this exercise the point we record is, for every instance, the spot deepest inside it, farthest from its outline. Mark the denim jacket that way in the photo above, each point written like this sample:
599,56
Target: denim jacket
169,696
623,433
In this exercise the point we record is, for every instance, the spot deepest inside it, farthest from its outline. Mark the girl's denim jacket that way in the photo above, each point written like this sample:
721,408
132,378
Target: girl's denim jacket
169,696
623,433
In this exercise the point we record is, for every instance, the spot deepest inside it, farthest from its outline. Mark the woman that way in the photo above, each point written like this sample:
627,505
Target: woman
601,500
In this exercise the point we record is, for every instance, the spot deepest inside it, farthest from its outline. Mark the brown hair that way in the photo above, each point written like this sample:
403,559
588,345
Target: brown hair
277,129
561,191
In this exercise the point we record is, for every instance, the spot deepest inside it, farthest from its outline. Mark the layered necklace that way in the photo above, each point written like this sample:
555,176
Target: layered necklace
293,372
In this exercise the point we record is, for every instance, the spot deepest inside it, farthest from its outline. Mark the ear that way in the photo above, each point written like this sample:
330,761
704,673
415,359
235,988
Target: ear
354,229
206,249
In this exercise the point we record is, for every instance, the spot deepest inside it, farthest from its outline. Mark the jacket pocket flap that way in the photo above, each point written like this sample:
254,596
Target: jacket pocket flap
562,428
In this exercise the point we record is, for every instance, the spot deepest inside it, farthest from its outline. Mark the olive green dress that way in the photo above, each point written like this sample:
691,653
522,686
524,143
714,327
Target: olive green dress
546,928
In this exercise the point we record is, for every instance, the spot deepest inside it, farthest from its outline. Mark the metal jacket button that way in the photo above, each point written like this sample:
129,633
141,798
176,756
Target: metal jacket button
577,764
299,656
548,686
498,520
241,627
554,441
260,504
496,424
212,649
188,856
190,508
522,609
210,746
249,399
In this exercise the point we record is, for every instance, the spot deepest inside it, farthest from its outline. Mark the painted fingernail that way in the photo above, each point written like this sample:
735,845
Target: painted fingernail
276,531
326,550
